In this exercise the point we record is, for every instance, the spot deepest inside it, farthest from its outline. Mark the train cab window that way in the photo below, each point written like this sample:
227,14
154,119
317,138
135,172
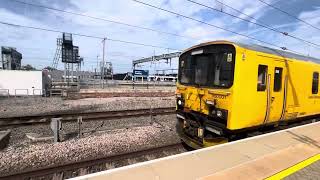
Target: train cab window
277,79
315,83
262,77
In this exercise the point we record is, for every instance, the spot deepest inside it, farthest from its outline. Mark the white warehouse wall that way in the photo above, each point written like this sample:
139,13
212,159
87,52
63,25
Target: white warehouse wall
20,82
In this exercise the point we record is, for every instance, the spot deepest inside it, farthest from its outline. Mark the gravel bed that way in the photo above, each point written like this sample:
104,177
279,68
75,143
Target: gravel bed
114,137
130,89
15,107
88,127
121,94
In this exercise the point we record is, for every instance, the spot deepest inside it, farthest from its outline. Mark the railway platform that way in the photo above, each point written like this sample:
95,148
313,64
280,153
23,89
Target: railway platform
288,154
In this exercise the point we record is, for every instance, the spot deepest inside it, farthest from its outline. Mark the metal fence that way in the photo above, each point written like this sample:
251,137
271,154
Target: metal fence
4,92
33,93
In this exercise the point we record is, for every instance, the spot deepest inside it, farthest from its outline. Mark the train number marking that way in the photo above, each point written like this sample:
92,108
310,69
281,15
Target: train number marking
220,96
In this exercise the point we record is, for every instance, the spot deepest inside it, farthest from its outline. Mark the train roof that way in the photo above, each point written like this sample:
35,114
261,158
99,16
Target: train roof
264,49
277,52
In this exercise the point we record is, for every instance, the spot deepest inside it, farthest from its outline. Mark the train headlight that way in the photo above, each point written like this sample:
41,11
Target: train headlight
180,103
212,103
200,132
219,113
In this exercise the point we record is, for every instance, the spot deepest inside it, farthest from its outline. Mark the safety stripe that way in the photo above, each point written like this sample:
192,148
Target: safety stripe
295,168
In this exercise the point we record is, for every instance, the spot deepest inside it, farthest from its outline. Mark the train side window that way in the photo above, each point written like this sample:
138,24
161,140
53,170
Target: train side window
262,77
315,83
277,79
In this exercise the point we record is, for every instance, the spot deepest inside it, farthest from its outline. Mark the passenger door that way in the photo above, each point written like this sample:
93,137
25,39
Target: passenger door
276,90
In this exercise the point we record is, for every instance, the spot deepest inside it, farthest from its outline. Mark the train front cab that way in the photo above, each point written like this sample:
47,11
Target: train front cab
224,91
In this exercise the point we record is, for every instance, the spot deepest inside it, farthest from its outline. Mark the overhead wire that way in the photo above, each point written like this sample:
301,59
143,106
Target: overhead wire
289,14
255,23
45,62
87,36
238,11
111,53
212,25
104,19
174,34
88,60
128,42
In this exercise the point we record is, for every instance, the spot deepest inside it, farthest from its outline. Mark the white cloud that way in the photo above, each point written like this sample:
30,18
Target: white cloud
308,33
42,44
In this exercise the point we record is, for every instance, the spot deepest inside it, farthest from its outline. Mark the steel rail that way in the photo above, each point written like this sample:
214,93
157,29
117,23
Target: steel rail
89,163
86,116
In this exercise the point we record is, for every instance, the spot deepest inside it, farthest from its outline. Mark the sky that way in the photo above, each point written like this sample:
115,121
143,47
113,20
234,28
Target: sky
39,47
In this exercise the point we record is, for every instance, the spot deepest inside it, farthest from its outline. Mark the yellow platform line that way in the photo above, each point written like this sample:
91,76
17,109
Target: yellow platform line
295,168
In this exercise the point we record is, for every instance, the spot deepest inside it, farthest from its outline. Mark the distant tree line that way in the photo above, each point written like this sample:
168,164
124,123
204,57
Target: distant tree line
29,67
50,68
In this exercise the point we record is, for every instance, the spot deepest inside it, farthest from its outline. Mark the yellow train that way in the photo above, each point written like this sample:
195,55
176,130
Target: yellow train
226,90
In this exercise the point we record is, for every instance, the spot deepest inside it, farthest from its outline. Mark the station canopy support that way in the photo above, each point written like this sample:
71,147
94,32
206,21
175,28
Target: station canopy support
155,58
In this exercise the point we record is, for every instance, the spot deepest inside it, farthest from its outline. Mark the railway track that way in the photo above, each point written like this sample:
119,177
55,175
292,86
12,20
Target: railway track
95,165
73,116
